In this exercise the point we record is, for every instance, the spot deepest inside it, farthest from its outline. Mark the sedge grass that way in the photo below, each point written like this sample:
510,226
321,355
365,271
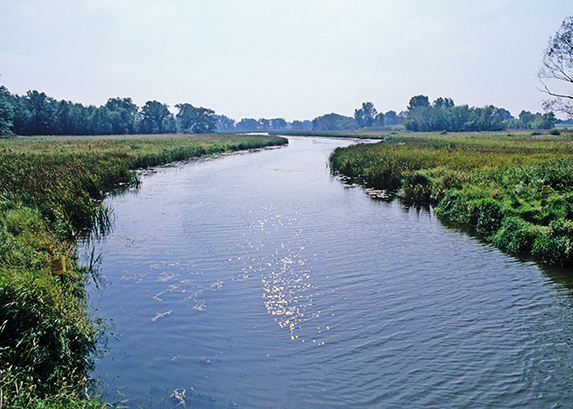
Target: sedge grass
490,182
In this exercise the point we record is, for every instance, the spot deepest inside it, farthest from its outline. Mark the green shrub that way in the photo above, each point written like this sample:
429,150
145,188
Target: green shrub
516,236
486,215
552,249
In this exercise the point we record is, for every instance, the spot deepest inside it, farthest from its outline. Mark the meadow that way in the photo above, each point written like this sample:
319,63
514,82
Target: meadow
51,193
489,182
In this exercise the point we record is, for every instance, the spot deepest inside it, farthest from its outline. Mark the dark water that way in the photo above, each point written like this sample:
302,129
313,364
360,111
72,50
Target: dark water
258,281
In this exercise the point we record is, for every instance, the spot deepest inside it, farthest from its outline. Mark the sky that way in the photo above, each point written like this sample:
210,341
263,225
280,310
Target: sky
292,59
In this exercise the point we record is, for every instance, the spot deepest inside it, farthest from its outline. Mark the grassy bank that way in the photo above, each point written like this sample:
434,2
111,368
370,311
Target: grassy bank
51,190
490,182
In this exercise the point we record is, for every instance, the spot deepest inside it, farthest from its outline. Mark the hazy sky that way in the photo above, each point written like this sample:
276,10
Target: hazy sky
296,59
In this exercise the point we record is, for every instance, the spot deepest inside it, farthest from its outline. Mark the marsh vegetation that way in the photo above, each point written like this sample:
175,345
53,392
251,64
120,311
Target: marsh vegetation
490,182
51,191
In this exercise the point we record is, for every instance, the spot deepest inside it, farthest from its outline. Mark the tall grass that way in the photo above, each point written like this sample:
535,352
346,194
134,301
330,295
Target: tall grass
65,177
489,182
51,189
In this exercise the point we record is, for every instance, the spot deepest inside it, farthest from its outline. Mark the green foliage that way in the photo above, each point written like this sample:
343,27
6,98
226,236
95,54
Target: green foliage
367,116
333,122
38,114
46,334
6,112
488,182
196,120
444,116
156,118
516,235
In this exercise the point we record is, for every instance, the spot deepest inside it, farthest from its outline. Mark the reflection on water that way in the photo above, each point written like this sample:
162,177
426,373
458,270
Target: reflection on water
285,288
259,281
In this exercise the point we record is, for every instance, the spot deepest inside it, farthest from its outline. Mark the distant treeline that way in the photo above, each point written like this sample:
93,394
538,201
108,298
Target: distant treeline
441,115
38,114
444,115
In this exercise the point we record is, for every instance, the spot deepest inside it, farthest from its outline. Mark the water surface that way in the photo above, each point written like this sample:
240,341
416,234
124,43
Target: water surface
257,280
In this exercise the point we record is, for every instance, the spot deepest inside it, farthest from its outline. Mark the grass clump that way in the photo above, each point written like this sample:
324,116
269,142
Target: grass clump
51,190
487,181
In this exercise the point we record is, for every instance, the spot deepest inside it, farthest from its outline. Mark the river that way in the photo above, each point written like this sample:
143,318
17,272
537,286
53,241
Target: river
257,280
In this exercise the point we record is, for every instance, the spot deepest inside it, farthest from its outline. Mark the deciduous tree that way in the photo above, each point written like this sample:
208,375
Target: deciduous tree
365,116
195,119
556,72
156,118
6,112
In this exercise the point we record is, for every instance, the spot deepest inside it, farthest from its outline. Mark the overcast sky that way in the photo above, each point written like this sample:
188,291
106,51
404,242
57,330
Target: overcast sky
295,59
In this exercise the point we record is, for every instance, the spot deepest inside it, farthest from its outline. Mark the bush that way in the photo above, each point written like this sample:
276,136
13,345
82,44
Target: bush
487,214
516,236
552,249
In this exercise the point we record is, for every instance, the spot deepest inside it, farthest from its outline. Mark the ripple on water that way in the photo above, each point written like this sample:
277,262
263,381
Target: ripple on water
259,281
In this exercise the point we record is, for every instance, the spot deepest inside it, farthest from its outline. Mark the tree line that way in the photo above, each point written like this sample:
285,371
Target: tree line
444,115
35,113
441,115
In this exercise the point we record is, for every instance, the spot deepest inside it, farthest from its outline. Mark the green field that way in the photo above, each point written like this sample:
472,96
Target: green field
490,182
51,192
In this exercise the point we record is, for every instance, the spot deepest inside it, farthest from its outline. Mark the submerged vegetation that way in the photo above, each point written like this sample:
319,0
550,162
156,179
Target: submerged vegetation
491,182
51,190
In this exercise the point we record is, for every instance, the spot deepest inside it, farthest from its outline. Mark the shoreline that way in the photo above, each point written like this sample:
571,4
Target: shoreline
489,182
52,193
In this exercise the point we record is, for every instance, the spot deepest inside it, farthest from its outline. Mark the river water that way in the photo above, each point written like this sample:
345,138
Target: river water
257,280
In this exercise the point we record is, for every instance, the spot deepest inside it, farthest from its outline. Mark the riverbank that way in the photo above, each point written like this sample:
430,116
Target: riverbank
51,192
490,182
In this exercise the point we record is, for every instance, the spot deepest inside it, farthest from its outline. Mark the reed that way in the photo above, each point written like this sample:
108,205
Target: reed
65,177
490,182
51,189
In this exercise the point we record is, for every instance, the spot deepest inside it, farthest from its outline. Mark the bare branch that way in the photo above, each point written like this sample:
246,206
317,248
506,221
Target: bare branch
557,64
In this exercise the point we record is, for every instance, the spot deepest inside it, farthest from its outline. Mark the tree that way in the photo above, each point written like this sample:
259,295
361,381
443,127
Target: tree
40,113
248,124
224,123
444,103
278,124
123,115
545,121
305,125
333,122
156,118
195,119
365,116
264,124
100,121
418,101
556,72
526,119
391,118
6,112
